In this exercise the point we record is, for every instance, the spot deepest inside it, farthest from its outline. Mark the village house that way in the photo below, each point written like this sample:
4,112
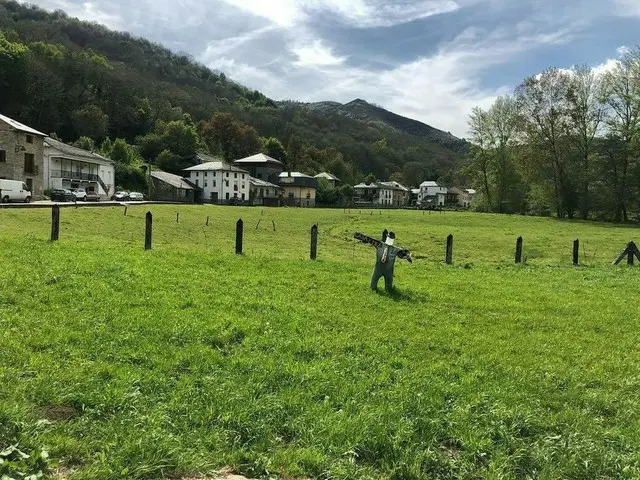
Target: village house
264,193
260,166
70,167
330,178
21,155
466,200
298,189
167,187
385,194
431,194
220,182
460,197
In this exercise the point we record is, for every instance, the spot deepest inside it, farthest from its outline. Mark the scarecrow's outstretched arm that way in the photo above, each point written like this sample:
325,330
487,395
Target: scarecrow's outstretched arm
405,254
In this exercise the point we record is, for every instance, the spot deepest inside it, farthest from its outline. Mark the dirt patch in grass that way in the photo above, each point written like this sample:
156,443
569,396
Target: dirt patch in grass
59,412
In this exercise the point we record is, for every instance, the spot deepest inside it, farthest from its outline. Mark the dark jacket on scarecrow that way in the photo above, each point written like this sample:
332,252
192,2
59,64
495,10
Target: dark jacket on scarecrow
386,255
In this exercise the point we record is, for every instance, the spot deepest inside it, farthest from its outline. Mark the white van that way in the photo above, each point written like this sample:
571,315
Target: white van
14,191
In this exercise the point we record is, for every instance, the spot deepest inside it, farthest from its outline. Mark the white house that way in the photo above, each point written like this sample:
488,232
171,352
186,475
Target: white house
431,194
376,193
400,195
220,182
264,193
71,167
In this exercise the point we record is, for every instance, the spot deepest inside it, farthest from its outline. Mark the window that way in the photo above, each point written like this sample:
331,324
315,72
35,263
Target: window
197,173
226,183
262,192
227,195
197,182
290,194
243,176
214,174
3,156
235,187
308,194
235,195
29,163
235,175
205,184
205,174
243,185
29,138
227,174
214,184
243,196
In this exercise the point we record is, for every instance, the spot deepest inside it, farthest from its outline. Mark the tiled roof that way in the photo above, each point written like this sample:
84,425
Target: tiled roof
173,180
75,151
209,163
328,176
256,182
258,158
19,126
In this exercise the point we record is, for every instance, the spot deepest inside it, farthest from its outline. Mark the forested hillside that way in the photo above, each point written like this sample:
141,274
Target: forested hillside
83,81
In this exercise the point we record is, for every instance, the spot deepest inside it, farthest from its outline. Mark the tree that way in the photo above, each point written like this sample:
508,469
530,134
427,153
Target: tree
586,113
369,179
85,143
273,147
90,121
229,138
623,102
122,153
543,106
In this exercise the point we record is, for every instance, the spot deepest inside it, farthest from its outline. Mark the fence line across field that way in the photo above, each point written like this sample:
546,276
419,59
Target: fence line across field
631,250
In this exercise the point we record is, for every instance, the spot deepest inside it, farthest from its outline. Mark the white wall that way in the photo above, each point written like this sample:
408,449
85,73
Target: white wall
224,183
53,161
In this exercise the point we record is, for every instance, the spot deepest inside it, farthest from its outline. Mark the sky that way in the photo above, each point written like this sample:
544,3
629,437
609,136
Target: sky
432,60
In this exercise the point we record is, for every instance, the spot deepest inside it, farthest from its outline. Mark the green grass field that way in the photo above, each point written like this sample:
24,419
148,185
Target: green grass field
174,362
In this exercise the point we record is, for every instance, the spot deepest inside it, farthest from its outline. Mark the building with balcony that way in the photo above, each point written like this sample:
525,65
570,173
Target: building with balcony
385,194
431,194
264,193
260,166
21,155
298,189
66,166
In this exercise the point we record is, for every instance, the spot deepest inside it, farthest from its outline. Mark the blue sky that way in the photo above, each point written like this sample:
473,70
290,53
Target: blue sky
432,60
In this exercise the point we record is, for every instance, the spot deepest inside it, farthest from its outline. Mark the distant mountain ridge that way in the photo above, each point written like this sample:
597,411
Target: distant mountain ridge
364,111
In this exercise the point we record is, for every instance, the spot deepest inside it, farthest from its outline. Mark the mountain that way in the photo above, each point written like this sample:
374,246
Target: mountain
363,111
59,74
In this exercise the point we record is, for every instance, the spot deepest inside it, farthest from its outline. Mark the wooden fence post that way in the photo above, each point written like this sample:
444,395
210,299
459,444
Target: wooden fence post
274,225
177,217
207,221
631,253
576,252
55,223
239,230
314,242
519,250
125,210
449,254
258,224
147,231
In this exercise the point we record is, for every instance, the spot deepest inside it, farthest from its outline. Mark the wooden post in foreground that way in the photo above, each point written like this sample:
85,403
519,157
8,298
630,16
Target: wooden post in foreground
177,217
147,231
519,250
55,223
125,210
576,252
630,251
314,242
207,221
449,255
239,231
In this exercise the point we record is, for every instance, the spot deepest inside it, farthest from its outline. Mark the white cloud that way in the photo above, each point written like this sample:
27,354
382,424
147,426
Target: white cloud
316,54
359,13
627,8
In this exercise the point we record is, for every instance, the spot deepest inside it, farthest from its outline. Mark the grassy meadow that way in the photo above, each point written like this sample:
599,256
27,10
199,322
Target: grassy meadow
181,360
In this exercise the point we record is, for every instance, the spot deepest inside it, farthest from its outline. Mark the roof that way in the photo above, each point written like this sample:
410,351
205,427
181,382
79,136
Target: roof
212,163
256,182
294,174
328,176
259,158
470,191
429,183
75,151
364,185
395,186
415,191
20,127
173,180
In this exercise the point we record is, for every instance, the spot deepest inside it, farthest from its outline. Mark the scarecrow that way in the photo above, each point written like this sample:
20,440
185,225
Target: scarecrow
386,254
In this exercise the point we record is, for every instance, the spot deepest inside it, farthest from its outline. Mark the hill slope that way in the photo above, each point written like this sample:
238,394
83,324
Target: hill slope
59,74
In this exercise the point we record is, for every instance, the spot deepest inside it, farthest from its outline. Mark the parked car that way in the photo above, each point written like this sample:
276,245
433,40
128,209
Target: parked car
62,195
80,193
236,201
136,197
92,197
14,191
120,196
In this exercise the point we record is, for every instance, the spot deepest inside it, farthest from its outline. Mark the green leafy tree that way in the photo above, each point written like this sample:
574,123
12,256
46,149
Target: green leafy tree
85,143
273,147
123,153
90,121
